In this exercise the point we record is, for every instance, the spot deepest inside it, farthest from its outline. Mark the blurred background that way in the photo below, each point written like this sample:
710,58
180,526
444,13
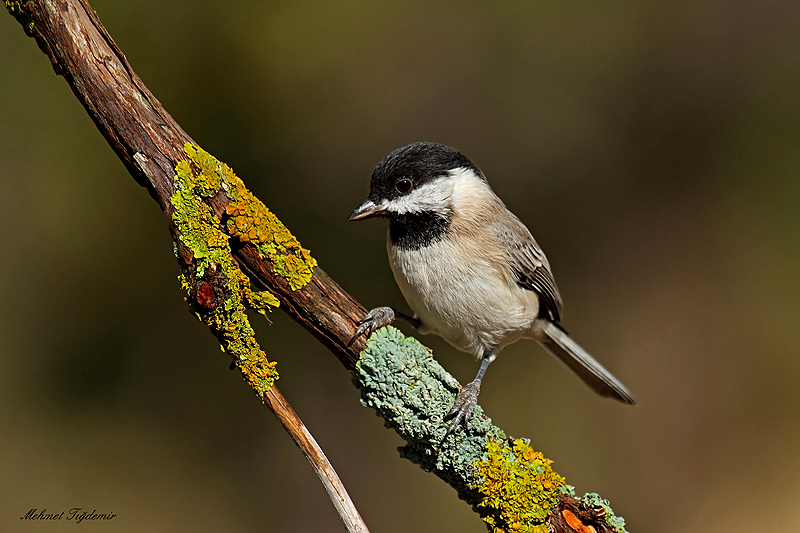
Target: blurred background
651,147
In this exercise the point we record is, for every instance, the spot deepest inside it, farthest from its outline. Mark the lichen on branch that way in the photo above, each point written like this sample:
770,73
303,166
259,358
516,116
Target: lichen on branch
21,12
219,292
518,487
509,484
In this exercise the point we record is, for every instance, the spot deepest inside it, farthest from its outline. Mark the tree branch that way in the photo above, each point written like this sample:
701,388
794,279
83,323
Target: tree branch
219,234
316,457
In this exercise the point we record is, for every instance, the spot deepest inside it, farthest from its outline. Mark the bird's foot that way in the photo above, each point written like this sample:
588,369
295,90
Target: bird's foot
466,400
375,319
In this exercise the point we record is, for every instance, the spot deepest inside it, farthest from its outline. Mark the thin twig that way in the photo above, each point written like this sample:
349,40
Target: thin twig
317,459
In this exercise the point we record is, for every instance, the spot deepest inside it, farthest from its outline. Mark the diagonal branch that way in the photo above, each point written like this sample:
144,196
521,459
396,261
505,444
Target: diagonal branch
316,457
224,247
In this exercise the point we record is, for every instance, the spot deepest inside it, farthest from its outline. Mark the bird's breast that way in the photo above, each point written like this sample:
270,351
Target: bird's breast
464,294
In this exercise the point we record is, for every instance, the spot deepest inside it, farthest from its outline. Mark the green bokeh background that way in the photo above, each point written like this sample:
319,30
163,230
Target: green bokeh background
652,147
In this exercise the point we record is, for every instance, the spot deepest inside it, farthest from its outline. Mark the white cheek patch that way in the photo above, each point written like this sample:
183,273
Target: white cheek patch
459,187
432,196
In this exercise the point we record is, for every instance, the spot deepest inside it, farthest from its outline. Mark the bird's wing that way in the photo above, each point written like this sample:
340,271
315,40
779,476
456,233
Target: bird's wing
529,265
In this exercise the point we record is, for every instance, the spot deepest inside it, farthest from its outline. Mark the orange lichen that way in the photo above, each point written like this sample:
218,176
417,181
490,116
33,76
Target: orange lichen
575,523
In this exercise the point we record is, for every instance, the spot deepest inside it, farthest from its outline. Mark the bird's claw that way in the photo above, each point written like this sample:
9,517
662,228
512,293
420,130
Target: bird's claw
466,400
375,319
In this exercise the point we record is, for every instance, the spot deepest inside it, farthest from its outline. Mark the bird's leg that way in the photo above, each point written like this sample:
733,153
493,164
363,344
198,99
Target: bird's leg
467,397
379,317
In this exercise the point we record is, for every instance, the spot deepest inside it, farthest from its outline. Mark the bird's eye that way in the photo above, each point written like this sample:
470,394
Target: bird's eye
403,186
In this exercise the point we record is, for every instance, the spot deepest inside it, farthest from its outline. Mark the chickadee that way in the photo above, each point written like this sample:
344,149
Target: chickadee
468,268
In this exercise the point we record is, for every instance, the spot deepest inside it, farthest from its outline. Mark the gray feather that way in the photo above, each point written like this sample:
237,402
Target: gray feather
560,344
529,265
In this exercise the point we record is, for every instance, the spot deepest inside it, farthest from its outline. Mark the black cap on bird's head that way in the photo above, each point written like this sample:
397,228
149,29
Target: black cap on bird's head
405,170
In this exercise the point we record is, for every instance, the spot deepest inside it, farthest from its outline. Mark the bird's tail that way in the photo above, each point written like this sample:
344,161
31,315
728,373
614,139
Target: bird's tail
560,344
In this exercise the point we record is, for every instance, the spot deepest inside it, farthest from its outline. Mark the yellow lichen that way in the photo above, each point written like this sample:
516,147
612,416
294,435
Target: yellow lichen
518,487
219,291
23,12
249,220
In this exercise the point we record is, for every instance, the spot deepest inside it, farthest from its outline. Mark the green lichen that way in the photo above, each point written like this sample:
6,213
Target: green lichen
518,487
219,291
199,227
595,501
399,378
509,484
249,220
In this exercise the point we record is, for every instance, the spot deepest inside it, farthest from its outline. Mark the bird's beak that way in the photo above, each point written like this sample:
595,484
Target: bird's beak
365,210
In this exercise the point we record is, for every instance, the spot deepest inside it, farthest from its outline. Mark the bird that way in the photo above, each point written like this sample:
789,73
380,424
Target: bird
468,268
